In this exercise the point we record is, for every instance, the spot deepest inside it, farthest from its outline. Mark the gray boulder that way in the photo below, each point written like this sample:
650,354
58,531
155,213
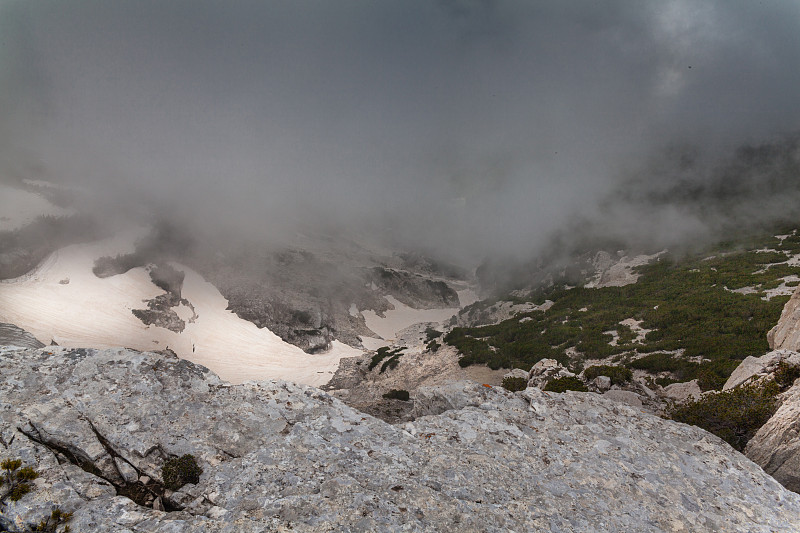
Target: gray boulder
544,371
624,396
776,446
760,366
99,424
680,392
517,373
786,333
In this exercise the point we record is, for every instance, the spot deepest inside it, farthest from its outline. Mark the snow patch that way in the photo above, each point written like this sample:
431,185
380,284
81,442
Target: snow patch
96,312
402,316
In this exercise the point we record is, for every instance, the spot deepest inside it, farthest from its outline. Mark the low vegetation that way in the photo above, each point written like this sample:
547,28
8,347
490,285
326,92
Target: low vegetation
397,394
515,384
734,415
619,375
431,336
15,479
564,384
693,326
786,374
392,358
179,471
56,519
15,482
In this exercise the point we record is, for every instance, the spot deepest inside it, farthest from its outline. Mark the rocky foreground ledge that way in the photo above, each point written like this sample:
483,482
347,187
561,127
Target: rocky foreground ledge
98,425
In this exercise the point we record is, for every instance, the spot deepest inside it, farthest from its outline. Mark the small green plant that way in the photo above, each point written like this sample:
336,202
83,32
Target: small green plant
397,394
15,478
618,374
513,384
564,384
734,415
432,334
384,352
51,523
179,471
433,346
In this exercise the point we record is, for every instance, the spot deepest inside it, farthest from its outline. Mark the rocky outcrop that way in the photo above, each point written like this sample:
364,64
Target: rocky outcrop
617,271
681,392
11,335
546,370
481,313
776,446
759,367
786,333
359,387
160,310
99,425
413,289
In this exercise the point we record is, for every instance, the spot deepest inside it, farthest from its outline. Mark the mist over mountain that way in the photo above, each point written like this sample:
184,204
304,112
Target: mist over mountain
467,129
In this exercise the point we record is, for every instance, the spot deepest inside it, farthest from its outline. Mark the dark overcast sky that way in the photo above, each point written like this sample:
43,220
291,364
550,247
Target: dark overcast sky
479,125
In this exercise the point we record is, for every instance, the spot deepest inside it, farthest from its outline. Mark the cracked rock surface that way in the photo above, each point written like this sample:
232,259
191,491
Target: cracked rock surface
282,457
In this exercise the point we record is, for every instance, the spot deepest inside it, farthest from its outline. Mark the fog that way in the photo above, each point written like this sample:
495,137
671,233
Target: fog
473,128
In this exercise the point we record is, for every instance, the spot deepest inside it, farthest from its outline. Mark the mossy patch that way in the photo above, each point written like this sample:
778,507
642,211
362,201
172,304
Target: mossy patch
179,471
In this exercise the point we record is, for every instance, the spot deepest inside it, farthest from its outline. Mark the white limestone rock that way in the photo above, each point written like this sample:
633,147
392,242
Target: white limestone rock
624,396
786,333
545,370
282,457
776,446
517,373
760,366
603,383
681,392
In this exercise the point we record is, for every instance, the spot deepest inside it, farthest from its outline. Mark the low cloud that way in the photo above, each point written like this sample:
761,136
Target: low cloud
473,128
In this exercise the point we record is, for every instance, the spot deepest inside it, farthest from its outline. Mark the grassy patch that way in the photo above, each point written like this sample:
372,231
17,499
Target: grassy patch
686,302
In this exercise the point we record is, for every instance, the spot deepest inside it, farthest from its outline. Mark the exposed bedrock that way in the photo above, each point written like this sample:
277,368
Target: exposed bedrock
275,456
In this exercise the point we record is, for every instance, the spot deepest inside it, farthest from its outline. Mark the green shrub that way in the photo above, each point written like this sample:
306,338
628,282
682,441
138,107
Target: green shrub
564,384
656,362
51,523
618,374
179,471
684,301
15,479
515,384
733,415
432,334
397,394
785,375
384,352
